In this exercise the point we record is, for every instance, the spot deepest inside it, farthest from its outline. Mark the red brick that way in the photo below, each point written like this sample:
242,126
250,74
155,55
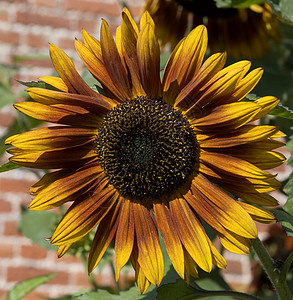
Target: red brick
104,8
88,25
33,251
36,41
81,279
6,251
6,119
3,15
13,185
10,228
233,267
9,37
46,3
5,206
42,19
68,259
66,43
17,274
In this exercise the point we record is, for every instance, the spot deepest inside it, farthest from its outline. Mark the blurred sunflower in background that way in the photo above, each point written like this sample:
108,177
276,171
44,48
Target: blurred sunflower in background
151,156
243,32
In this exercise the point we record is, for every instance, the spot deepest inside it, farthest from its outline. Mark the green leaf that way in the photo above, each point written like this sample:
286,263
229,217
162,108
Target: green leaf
174,291
23,288
38,225
237,3
131,294
282,111
285,219
38,84
283,9
8,166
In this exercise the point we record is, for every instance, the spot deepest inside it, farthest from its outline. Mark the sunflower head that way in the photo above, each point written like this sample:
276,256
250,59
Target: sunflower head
151,155
243,33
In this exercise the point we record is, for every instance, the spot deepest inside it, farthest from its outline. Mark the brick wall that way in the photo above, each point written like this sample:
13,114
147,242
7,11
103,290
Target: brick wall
26,28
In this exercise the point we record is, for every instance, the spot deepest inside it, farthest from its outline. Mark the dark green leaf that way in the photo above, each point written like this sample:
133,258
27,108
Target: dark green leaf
23,288
37,226
283,9
8,166
286,220
237,3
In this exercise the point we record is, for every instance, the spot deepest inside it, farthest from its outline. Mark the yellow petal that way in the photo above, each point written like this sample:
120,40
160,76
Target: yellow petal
259,214
56,82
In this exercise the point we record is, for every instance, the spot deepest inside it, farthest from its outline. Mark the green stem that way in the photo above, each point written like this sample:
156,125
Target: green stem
281,286
205,294
286,266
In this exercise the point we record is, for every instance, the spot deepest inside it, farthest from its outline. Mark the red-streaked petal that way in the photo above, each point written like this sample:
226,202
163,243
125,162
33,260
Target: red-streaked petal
190,232
66,70
104,235
183,66
124,236
112,62
99,104
243,135
170,237
150,256
66,186
58,115
148,54
83,216
142,282
51,138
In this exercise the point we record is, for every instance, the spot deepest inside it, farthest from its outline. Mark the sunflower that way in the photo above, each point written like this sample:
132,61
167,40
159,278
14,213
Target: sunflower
243,32
151,156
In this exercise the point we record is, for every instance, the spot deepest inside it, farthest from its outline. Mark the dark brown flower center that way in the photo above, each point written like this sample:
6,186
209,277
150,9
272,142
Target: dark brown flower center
146,148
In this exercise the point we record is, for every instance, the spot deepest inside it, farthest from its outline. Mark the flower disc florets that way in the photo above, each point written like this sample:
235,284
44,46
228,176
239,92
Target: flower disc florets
146,147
